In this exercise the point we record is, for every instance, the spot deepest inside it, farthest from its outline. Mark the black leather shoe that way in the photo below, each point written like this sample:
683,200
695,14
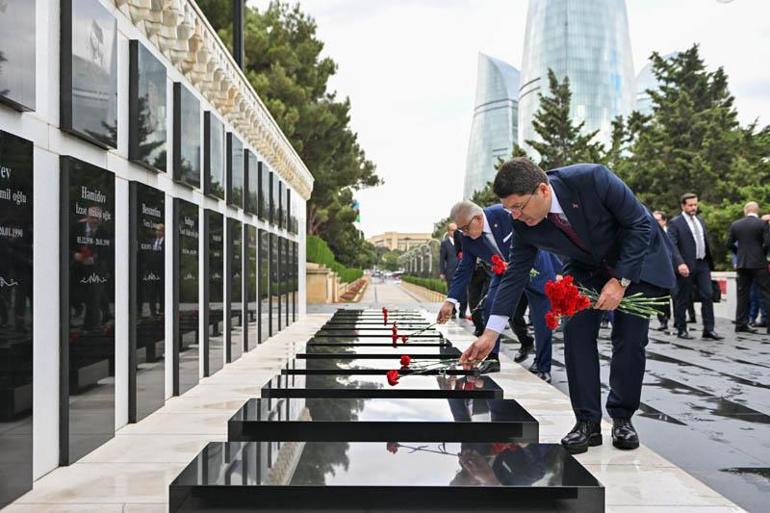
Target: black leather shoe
545,376
712,335
524,352
533,368
624,434
663,326
683,334
744,329
585,434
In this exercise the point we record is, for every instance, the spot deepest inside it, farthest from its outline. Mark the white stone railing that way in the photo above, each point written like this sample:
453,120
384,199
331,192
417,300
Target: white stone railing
182,33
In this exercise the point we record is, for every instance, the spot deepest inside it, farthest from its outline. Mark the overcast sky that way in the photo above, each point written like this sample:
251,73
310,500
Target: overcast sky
409,68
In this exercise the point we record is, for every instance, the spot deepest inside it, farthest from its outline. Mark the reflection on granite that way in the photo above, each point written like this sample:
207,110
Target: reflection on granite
381,476
364,386
352,365
386,351
383,419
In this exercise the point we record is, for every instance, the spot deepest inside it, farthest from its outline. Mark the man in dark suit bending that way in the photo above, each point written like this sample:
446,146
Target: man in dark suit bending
609,242
749,239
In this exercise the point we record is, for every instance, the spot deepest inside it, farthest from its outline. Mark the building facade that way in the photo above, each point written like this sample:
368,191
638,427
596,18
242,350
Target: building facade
399,241
148,201
587,41
495,118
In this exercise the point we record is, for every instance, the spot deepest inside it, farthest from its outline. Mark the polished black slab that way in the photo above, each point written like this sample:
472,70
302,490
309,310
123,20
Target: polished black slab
146,316
88,97
332,342
384,476
251,182
213,292
382,420
17,55
186,307
344,365
250,289
383,335
387,351
16,312
235,320
147,136
234,166
363,386
87,308
187,137
264,307
275,285
263,185
213,156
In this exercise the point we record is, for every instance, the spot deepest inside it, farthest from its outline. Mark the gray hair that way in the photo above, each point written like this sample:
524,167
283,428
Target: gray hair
465,210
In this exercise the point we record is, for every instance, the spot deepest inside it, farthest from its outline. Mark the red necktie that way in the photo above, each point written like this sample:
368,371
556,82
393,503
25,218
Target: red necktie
566,228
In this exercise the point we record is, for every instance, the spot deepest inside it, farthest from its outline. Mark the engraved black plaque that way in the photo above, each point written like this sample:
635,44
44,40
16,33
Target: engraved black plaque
251,170
147,332
187,137
16,163
17,55
250,288
147,137
213,156
87,302
235,179
263,210
89,72
186,341
213,292
275,288
264,285
234,305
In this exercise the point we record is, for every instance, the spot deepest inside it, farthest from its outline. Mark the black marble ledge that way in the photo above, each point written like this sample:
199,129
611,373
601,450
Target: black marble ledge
353,341
366,386
359,366
358,477
385,334
382,420
386,351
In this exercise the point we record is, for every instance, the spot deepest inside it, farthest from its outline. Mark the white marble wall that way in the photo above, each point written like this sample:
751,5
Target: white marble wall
41,127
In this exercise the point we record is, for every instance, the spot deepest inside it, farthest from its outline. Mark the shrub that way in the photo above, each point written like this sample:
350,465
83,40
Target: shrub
318,252
433,284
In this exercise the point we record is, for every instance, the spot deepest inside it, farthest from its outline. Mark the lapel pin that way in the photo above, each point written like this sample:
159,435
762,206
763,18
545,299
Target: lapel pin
575,205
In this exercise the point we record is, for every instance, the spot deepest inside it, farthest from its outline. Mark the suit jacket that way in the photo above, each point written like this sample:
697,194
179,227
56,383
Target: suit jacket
684,242
501,224
620,233
447,261
749,239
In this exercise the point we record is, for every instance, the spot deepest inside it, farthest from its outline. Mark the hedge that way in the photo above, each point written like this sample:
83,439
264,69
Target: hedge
318,252
433,284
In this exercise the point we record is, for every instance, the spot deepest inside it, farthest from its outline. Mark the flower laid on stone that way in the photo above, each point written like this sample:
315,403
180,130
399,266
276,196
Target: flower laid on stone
567,299
392,376
392,447
405,360
394,333
404,339
384,316
440,367
498,265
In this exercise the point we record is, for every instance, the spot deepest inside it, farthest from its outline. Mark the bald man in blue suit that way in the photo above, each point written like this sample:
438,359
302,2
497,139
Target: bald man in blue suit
608,242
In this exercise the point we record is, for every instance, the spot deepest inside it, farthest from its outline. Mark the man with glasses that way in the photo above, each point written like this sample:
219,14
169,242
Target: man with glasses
609,242
487,236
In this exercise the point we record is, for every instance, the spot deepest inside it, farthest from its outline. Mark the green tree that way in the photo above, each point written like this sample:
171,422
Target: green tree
283,63
561,141
389,260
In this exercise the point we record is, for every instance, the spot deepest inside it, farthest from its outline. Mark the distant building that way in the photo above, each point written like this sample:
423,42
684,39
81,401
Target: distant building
400,241
587,41
494,127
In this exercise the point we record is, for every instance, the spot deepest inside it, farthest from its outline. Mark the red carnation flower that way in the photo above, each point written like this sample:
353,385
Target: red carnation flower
392,376
384,316
392,447
498,265
404,338
405,360
552,320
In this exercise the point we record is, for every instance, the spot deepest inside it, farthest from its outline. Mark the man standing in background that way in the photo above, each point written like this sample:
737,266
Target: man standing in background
447,261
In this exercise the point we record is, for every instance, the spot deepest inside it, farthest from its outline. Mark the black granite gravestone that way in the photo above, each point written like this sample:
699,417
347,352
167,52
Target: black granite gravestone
88,98
187,137
382,420
365,386
16,251
442,352
250,288
263,186
147,136
344,365
275,286
146,316
186,336
264,285
360,477
251,183
17,57
235,178
213,292
234,310
87,308
213,156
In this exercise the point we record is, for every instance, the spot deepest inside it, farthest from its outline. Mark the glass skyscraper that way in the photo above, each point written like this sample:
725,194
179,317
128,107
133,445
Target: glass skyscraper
587,41
495,115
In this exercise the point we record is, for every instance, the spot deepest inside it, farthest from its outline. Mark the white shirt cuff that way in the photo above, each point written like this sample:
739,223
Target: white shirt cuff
454,302
497,323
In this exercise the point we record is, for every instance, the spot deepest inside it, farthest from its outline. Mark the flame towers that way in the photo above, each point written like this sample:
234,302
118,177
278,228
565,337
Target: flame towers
587,41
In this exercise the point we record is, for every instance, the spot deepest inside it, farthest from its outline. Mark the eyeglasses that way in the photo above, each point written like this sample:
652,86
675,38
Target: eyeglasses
520,209
464,228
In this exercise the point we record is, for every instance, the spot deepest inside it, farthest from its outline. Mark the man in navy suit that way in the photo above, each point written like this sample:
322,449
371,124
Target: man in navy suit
487,233
609,242
692,255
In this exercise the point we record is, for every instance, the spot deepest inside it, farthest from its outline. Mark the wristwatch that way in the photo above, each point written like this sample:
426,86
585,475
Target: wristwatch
625,282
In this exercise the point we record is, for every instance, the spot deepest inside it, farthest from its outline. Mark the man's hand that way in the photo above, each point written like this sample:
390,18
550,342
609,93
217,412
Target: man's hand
683,270
766,217
479,349
446,312
611,295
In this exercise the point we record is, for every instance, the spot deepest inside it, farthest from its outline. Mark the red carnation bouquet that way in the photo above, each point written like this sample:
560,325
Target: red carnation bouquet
567,299
498,265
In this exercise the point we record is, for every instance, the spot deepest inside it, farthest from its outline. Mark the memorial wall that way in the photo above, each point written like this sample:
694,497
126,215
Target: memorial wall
129,139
